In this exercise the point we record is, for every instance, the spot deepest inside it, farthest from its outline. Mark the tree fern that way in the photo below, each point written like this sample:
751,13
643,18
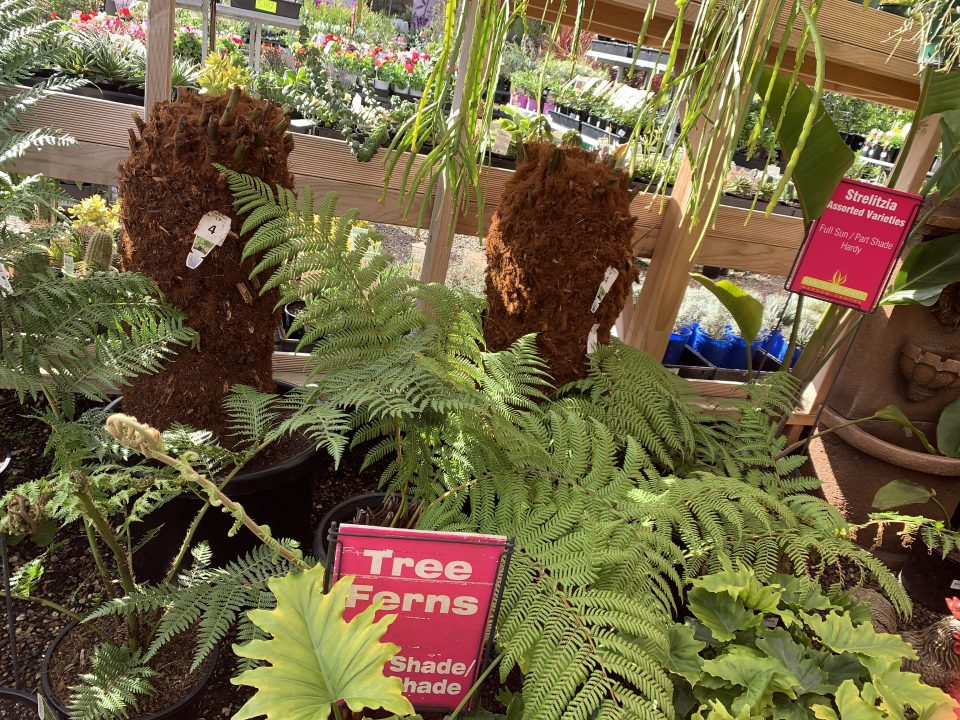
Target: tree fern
619,489
115,682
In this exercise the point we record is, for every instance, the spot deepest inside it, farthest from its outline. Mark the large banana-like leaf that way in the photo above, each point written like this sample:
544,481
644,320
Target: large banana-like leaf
942,94
746,310
825,158
315,657
928,268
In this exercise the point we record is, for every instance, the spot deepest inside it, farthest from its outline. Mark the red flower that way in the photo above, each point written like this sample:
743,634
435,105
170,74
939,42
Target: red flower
54,16
409,66
124,12
94,13
85,17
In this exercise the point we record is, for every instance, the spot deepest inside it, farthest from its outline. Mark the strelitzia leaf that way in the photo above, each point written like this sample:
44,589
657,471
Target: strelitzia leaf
315,657
746,310
900,493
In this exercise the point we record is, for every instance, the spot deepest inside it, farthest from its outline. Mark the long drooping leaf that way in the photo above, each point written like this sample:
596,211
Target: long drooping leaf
947,177
825,158
900,493
928,268
316,657
943,94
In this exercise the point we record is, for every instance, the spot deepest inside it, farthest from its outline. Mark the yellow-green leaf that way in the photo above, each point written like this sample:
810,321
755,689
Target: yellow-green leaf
315,657
839,634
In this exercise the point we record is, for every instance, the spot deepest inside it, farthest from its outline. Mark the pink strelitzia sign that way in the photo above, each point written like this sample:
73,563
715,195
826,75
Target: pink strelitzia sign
849,253
443,588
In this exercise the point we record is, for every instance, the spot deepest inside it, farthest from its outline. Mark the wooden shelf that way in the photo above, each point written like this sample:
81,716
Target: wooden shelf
865,57
765,245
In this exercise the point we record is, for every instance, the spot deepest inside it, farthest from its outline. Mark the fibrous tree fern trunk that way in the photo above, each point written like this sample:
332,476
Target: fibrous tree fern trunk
563,219
167,186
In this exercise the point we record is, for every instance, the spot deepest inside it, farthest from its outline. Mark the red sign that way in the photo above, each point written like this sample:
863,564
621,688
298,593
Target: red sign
850,251
442,587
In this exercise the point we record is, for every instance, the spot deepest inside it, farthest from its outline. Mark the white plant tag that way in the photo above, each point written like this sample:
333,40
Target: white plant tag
5,286
68,266
592,338
955,585
210,233
502,144
609,278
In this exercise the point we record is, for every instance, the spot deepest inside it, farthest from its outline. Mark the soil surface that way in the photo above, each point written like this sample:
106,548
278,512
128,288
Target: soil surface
69,577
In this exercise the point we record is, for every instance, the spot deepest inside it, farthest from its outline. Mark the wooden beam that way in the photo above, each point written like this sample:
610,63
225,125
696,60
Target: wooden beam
160,22
917,164
865,56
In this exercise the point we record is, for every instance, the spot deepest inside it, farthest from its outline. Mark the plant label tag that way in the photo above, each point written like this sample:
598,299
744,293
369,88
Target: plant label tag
443,587
609,278
592,338
210,233
213,226
847,257
502,144
955,585
5,287
68,264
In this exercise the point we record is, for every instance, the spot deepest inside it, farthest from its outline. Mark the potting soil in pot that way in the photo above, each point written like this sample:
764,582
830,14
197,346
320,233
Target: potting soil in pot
563,219
173,680
166,187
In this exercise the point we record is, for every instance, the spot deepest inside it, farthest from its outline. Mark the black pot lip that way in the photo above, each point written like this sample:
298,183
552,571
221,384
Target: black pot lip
249,476
18,696
320,535
184,702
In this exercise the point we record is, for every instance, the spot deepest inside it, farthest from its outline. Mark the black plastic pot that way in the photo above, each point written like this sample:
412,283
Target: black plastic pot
344,512
290,312
186,708
280,496
929,578
10,698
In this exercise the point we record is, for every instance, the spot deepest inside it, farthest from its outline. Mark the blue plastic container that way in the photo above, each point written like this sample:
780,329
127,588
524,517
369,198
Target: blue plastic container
674,349
796,356
678,341
777,344
715,351
736,357
696,336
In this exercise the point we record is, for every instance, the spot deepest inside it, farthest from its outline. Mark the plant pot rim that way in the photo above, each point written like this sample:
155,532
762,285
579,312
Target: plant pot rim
248,476
858,438
184,702
320,536
21,697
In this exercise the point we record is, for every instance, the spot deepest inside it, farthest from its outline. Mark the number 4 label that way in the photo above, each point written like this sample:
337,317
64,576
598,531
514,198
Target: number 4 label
210,233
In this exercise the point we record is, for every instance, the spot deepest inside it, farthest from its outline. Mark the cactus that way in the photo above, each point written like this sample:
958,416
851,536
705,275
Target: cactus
168,184
99,252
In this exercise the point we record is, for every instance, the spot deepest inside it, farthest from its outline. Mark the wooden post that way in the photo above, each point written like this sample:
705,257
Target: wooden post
160,16
443,217
922,151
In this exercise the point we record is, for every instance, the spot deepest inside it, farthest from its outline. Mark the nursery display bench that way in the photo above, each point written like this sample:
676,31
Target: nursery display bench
865,58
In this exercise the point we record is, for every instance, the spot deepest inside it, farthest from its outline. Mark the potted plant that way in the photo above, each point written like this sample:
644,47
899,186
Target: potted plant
736,621
210,284
482,441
